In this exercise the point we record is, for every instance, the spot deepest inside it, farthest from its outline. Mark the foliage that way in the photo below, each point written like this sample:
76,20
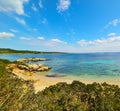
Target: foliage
13,91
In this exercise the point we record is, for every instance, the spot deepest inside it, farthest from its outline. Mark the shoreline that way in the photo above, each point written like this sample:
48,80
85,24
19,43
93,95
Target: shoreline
41,81
89,80
48,81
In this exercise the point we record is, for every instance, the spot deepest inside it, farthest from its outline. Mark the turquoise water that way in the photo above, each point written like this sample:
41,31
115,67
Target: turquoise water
79,65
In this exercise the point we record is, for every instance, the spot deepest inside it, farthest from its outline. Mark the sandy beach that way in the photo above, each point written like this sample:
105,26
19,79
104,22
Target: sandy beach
41,81
48,81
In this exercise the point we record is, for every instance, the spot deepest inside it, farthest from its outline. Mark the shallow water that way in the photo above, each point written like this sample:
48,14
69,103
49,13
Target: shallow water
91,65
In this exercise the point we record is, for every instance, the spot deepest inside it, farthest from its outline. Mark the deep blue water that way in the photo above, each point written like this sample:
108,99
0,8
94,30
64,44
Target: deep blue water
80,65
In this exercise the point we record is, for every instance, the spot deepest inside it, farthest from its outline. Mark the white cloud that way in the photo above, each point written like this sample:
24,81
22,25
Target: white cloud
40,4
111,44
15,6
82,42
108,41
6,35
21,21
41,38
58,41
44,21
13,30
98,41
111,34
34,7
114,23
63,5
34,29
25,38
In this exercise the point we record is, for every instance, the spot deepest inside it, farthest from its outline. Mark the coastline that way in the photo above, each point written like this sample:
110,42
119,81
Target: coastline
41,80
102,79
45,82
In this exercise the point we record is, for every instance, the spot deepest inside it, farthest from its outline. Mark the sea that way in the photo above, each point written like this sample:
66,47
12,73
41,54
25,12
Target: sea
79,65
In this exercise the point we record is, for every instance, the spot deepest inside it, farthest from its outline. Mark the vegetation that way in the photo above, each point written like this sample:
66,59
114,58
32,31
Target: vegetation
12,51
18,95
13,91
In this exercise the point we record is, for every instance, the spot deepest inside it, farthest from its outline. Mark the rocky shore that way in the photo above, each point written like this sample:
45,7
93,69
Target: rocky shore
24,70
34,67
31,59
29,67
21,66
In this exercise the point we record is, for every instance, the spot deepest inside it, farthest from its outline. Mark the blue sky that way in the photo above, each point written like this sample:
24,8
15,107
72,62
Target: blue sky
60,25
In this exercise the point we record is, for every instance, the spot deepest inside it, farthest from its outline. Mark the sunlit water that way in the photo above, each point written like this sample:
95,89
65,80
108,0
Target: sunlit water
91,65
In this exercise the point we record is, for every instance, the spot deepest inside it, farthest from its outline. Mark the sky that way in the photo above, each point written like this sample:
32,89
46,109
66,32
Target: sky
60,25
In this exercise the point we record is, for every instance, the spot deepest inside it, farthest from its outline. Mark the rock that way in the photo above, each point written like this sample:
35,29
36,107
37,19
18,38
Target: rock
21,60
29,67
23,67
33,66
31,59
44,68
40,65
40,69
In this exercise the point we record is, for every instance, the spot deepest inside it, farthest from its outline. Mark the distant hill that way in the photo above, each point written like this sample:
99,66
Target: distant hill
11,51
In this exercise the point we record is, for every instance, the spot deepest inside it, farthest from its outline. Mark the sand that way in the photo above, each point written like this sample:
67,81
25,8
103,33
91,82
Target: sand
48,81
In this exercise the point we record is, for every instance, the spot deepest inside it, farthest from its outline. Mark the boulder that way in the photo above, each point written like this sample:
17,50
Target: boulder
40,69
44,68
40,65
24,67
33,66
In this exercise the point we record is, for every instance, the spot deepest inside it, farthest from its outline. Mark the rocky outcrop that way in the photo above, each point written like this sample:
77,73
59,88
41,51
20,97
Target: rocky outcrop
34,67
29,67
31,59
